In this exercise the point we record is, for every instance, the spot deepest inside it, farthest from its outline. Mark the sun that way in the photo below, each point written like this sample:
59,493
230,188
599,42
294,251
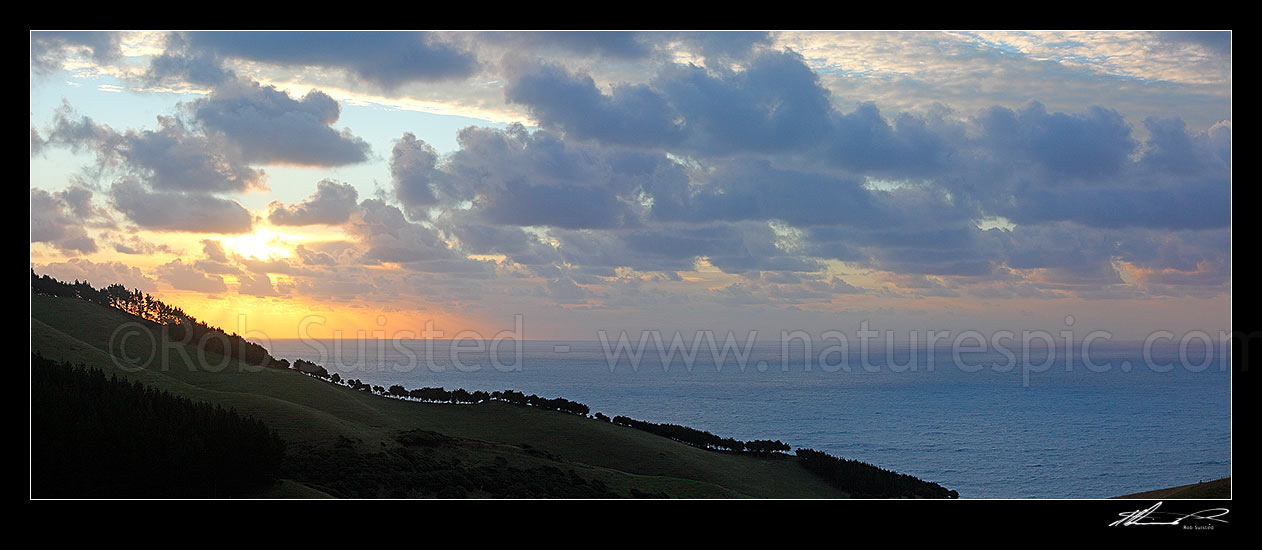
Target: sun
260,245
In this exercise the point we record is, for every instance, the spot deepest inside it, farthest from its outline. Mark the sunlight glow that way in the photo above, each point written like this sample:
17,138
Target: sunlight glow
261,245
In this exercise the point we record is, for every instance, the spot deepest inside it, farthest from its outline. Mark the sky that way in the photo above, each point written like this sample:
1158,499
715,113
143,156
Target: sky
316,184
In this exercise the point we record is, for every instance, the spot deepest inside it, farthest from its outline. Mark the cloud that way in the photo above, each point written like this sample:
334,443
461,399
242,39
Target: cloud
566,291
478,238
256,284
214,251
169,158
567,206
605,205
186,277
174,211
1172,150
215,260
54,220
414,172
1218,42
50,48
79,200
175,67
733,248
721,46
864,141
1089,146
1193,205
774,105
631,115
133,244
314,257
609,44
514,177
755,190
730,152
837,285
388,237
385,59
624,46
100,274
270,127
332,204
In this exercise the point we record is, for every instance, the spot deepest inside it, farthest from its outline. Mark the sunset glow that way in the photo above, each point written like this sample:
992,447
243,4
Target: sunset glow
744,181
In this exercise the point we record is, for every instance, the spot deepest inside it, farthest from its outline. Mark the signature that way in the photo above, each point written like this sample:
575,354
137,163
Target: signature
1150,516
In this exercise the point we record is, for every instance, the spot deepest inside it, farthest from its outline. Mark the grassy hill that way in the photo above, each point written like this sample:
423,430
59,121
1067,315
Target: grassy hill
1218,488
328,424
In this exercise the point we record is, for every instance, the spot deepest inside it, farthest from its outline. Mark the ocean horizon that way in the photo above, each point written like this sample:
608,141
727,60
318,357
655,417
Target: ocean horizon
989,422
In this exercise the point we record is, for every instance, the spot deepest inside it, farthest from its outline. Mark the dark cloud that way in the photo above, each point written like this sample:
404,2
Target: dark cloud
513,177
606,206
133,244
79,200
414,172
733,248
960,251
54,221
1218,42
627,46
864,141
50,48
169,158
479,238
174,211
566,206
37,142
177,65
385,59
270,127
1193,205
755,190
611,44
1172,150
1092,146
630,115
775,105
331,204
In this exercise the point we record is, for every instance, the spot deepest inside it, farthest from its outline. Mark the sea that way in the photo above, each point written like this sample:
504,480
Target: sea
989,422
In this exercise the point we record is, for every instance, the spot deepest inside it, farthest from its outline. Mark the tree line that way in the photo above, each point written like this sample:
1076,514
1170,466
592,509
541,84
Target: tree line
177,325
99,437
463,396
701,438
864,480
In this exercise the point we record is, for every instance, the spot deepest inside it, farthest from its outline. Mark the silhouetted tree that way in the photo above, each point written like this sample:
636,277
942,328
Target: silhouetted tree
98,437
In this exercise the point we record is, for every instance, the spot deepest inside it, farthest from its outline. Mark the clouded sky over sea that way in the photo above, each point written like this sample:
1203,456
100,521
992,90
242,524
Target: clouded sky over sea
616,181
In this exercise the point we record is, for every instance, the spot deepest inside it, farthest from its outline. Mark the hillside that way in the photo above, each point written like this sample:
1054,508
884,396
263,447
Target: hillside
1218,488
395,447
